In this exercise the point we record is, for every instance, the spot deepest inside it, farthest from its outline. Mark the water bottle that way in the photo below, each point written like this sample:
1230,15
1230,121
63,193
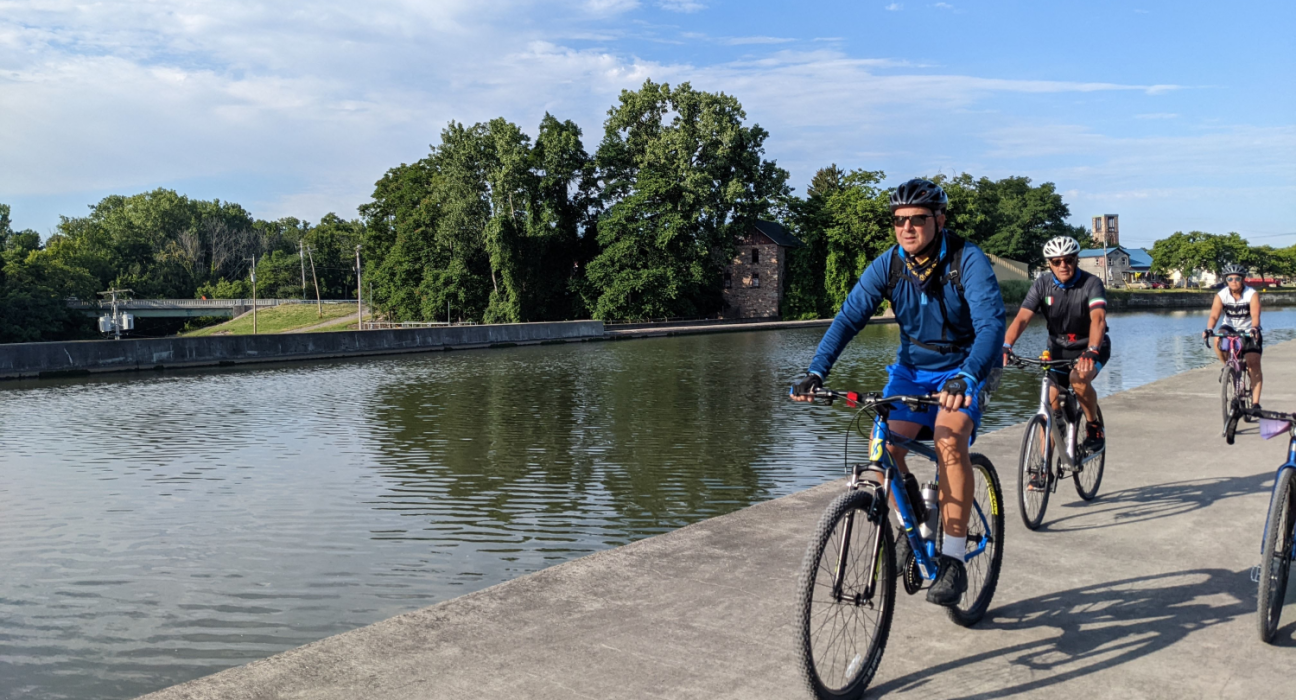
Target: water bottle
931,502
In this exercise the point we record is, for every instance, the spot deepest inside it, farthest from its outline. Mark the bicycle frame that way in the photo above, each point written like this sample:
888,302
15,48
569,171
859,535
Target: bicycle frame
1231,344
1289,464
1070,405
881,462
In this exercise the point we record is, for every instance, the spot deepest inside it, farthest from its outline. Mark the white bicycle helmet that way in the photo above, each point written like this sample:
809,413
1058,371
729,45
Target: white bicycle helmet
1061,246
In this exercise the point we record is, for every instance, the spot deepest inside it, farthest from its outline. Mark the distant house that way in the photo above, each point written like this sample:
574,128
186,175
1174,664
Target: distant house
754,279
1113,268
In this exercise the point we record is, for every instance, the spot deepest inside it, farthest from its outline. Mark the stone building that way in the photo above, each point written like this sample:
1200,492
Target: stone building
754,279
1106,230
1113,267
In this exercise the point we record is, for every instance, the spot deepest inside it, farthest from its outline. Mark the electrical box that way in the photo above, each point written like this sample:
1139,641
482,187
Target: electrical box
105,324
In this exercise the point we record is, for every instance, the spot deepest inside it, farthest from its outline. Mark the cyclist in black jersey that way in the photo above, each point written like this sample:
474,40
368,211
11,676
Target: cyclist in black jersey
1074,303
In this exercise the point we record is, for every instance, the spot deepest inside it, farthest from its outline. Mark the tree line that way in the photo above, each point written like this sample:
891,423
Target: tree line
495,226
1199,251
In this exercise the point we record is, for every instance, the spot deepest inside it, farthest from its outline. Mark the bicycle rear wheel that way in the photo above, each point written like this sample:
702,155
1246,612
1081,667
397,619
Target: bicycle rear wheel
844,628
1033,466
986,524
1089,478
1275,561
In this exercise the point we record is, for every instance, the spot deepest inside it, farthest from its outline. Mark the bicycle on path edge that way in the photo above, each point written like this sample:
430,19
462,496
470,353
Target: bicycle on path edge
1278,546
1235,381
1042,465
847,586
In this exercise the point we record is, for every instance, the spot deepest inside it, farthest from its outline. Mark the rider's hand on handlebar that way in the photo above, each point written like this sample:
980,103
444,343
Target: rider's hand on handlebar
1009,357
804,389
954,394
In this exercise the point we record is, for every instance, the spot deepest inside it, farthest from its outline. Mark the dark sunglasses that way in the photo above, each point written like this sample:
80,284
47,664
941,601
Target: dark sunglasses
1069,261
1233,278
919,220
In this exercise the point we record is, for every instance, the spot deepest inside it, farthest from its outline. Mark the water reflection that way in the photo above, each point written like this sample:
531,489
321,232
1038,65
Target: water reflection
157,528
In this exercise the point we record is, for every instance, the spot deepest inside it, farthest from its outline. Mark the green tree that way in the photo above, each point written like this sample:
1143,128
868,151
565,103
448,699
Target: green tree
682,176
1009,217
1196,250
859,230
34,289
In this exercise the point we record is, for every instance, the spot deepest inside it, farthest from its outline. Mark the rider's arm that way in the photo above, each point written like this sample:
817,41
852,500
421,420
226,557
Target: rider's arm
1097,326
1024,315
985,304
1029,306
1217,307
860,305
1255,310
1096,296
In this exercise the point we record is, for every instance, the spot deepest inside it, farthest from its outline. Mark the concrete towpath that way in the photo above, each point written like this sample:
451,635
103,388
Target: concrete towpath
1143,593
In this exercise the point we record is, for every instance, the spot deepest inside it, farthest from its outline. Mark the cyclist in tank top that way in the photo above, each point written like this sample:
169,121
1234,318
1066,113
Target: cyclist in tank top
1239,305
1074,304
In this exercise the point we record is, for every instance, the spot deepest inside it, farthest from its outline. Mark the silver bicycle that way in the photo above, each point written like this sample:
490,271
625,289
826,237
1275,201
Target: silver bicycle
1043,465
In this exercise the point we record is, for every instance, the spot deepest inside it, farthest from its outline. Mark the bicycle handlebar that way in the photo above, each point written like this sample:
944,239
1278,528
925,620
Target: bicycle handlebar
873,398
1046,364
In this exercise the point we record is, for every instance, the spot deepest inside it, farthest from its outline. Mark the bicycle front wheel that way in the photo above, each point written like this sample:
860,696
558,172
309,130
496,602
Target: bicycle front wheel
1034,473
847,596
1089,478
986,525
1228,392
1275,561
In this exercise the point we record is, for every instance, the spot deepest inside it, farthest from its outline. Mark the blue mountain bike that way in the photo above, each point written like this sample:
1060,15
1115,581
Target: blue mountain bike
847,587
1279,545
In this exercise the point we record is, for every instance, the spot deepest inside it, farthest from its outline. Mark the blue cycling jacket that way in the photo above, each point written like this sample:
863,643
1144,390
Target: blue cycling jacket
976,319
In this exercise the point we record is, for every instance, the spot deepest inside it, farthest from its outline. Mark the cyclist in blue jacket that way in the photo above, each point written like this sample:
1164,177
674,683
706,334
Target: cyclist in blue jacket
951,316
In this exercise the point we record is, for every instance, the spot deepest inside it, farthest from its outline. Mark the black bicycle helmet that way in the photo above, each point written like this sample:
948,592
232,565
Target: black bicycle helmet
1234,269
919,193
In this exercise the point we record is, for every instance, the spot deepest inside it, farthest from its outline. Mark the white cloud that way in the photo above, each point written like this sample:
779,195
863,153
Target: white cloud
685,6
743,40
895,7
944,6
1157,115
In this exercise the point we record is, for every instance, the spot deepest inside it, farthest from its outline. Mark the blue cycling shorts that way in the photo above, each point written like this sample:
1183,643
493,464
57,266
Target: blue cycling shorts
920,382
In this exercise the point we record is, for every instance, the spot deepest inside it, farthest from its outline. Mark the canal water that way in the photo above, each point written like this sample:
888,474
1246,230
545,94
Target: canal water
155,528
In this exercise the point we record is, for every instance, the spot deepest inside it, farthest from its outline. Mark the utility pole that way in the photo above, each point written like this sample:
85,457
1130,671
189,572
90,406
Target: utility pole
359,301
254,324
301,255
319,305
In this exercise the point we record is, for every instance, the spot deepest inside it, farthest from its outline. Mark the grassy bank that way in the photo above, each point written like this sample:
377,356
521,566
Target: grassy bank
279,319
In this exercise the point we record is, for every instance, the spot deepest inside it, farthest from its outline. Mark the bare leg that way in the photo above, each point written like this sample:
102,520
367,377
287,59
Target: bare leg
1218,352
953,428
1257,377
1082,385
906,429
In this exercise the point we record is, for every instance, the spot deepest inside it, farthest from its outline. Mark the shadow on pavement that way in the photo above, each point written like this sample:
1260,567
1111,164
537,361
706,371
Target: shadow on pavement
1153,502
1095,628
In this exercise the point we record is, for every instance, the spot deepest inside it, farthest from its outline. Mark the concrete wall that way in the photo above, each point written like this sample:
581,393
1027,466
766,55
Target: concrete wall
1135,301
53,359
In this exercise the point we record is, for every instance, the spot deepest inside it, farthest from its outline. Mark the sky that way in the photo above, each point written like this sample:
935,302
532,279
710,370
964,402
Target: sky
1174,115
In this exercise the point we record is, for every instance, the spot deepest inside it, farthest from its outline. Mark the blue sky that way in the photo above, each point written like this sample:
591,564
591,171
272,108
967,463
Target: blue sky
1176,115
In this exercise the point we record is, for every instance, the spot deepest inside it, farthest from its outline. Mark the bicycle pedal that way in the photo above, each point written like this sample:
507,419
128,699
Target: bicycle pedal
1255,574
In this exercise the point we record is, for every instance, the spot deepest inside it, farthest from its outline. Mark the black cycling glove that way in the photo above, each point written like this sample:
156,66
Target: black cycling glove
955,385
1089,354
807,385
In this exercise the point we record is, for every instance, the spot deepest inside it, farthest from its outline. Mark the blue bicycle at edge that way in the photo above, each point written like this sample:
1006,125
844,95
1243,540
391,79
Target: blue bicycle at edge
847,586
1278,545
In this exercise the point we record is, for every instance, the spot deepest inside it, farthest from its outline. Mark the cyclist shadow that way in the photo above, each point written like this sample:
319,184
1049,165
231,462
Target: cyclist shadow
1155,501
1098,627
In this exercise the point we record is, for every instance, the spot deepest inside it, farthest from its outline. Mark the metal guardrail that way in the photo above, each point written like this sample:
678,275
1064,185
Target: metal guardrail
390,325
200,303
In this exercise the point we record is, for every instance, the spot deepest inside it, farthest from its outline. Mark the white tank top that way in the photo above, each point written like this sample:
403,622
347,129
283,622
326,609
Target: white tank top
1237,313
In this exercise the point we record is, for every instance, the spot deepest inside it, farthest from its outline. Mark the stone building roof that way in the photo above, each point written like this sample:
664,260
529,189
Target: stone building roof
779,235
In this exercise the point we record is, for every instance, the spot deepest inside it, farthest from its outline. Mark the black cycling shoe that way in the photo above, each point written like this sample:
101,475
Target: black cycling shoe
1096,439
1249,417
951,583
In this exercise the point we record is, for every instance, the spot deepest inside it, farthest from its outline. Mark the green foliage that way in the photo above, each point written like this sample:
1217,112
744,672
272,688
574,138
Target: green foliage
488,225
1014,291
1009,217
226,289
1196,250
34,289
682,176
